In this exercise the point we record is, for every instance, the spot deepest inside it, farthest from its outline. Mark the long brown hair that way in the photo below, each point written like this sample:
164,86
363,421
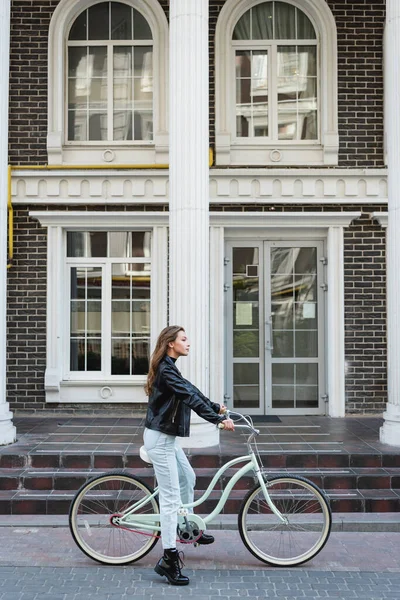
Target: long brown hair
167,335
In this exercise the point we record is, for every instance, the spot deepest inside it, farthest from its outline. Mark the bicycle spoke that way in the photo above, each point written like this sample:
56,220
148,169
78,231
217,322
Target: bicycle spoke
91,524
296,539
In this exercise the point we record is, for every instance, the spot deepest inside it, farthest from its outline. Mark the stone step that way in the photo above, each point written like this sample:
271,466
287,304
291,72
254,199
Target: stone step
57,502
11,459
72,479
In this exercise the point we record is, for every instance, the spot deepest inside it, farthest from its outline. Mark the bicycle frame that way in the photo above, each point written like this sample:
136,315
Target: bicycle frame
152,521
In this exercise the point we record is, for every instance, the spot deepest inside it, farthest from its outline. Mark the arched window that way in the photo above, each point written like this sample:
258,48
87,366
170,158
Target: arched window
110,75
108,66
272,84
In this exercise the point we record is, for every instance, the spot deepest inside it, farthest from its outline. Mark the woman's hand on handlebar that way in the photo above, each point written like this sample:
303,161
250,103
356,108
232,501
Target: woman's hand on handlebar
222,409
228,425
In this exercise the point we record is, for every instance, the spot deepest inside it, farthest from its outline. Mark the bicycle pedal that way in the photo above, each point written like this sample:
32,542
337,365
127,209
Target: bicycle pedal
195,544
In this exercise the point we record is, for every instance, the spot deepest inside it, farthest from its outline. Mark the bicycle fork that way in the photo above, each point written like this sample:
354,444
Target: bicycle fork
264,488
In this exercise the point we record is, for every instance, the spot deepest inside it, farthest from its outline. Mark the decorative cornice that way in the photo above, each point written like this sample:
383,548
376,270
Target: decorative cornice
227,186
116,220
283,219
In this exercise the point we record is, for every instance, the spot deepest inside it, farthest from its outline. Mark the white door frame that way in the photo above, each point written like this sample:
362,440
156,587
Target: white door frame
265,360
330,225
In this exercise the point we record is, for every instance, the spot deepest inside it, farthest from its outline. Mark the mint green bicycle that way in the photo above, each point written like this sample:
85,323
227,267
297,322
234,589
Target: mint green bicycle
284,521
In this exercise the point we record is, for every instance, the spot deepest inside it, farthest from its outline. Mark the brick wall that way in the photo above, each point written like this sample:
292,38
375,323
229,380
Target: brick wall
360,30
365,316
365,308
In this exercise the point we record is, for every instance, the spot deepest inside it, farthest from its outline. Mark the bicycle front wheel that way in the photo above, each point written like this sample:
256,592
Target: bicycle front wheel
91,519
305,531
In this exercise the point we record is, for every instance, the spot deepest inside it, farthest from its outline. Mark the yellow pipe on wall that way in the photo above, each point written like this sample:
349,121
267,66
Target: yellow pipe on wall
10,220
70,168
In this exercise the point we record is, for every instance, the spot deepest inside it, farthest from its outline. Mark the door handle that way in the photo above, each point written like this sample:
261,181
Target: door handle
271,334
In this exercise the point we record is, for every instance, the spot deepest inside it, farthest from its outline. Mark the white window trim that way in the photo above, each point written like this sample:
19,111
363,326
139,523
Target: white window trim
58,387
231,151
328,226
61,152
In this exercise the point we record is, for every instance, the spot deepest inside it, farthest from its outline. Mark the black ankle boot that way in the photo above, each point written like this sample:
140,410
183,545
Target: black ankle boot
170,566
205,539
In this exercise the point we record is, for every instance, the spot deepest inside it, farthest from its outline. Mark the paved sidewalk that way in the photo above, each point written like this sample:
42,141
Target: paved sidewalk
63,583
39,563
47,546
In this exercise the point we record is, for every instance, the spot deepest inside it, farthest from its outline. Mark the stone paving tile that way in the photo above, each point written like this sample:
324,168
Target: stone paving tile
51,547
127,582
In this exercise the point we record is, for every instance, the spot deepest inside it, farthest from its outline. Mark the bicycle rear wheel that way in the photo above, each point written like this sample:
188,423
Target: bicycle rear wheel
303,534
90,519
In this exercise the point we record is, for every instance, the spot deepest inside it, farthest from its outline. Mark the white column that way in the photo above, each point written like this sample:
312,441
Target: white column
390,431
7,429
335,328
189,195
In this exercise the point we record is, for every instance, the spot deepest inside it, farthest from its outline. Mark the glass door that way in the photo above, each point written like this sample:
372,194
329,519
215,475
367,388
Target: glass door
245,362
275,327
294,328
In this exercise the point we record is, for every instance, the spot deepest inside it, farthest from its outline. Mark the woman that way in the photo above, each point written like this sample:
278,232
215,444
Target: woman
171,398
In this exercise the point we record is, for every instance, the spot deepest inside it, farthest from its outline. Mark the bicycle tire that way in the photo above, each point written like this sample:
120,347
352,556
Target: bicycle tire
86,522
302,516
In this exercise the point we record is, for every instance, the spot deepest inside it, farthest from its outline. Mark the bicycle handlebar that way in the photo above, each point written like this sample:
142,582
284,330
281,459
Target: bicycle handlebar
246,426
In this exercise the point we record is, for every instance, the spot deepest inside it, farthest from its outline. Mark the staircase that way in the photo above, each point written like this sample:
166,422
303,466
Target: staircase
45,483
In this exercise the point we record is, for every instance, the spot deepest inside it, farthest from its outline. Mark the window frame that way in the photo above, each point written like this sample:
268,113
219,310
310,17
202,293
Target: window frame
110,45
106,264
271,46
231,150
60,387
63,151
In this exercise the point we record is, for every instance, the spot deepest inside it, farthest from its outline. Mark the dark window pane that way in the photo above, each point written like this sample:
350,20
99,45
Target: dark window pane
246,344
93,355
285,21
242,28
141,241
78,282
94,279
97,244
77,355
141,28
120,357
243,257
79,28
140,357
305,29
99,21
77,62
97,126
246,374
76,243
77,125
261,21
121,21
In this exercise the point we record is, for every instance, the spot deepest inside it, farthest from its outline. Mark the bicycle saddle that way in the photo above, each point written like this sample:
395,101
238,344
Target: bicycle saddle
144,456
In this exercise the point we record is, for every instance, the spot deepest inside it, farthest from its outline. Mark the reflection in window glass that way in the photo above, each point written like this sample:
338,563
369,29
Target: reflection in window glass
286,76
125,301
90,115
85,319
130,319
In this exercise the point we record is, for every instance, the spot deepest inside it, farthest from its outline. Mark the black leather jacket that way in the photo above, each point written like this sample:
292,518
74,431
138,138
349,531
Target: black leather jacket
171,400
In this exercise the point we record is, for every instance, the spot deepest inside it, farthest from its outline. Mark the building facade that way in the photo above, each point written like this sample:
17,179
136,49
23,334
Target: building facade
221,165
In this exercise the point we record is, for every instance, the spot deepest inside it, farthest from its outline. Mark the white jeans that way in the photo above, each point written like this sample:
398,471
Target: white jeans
175,477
